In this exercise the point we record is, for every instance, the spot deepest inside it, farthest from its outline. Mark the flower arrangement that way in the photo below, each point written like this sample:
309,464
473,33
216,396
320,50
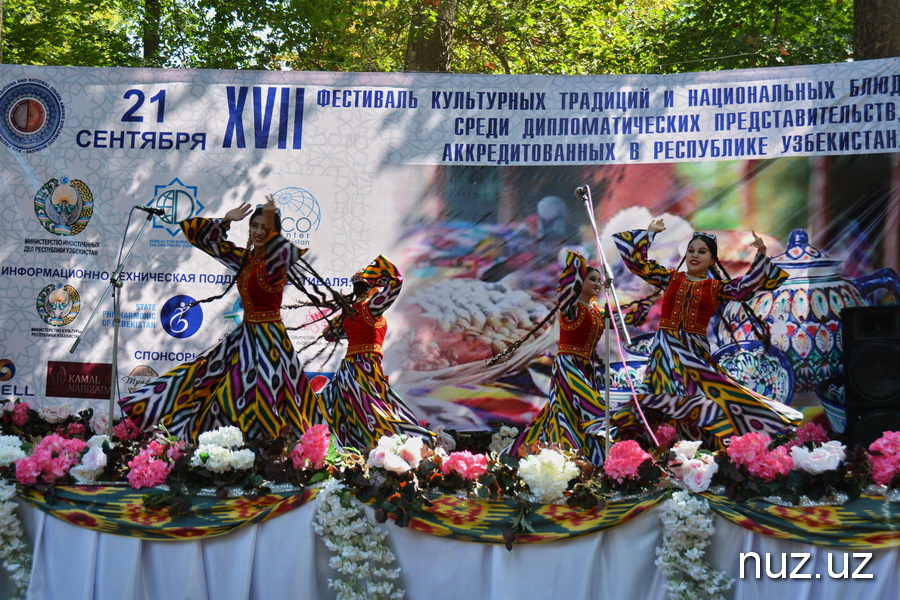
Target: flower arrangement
400,474
361,555
687,531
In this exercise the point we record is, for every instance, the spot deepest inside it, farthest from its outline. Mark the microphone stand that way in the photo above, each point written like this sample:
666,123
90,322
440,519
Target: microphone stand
612,304
115,286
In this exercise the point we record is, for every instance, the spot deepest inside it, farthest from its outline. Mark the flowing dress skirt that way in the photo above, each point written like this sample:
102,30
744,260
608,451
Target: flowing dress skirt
361,407
251,380
683,385
574,416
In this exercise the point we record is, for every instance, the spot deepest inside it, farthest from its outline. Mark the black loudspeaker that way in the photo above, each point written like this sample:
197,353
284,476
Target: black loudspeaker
871,350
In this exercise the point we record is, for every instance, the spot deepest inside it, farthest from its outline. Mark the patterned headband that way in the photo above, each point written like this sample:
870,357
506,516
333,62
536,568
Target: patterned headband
704,234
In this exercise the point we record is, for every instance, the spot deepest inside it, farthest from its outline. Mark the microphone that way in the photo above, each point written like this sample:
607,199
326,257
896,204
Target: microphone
151,209
581,192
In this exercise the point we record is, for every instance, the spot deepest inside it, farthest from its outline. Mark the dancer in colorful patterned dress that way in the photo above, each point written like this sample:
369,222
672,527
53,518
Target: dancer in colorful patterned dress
358,403
574,416
253,378
683,385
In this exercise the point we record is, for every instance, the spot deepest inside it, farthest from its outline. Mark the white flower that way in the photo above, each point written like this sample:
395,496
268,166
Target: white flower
411,450
227,437
97,441
443,440
547,474
395,464
91,466
55,414
827,457
397,453
697,473
687,531
100,423
241,459
502,438
359,551
685,450
10,450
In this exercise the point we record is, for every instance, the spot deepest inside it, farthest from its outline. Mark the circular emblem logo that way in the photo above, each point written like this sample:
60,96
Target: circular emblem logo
306,212
64,206
7,369
31,115
58,304
179,318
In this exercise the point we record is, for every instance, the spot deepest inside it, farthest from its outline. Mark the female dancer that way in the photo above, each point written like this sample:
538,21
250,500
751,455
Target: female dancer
252,379
682,382
358,403
574,416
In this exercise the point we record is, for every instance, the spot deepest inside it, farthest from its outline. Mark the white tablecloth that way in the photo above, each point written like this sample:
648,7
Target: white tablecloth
283,558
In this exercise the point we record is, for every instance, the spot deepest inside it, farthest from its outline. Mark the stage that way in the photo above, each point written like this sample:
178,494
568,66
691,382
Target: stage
283,557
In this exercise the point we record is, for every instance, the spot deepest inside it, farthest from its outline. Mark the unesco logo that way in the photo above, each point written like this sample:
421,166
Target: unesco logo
31,115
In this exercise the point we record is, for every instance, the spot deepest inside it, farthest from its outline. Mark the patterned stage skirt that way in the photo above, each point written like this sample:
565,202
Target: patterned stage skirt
684,387
252,380
360,407
574,416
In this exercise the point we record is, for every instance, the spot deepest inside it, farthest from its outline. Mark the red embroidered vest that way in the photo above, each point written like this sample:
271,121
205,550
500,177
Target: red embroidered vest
364,332
580,335
689,305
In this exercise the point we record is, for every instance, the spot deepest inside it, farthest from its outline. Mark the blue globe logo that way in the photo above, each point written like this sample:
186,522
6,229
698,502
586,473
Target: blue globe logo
303,206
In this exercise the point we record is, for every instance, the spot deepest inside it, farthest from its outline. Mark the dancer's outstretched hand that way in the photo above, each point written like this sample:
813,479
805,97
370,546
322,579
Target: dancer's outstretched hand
758,243
656,225
237,214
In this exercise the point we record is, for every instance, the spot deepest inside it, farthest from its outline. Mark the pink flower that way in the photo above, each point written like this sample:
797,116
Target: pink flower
624,459
469,466
746,449
126,430
312,448
147,469
20,414
665,435
176,450
885,457
809,433
75,429
772,465
52,458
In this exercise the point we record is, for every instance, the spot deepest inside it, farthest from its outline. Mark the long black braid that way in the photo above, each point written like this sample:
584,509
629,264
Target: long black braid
295,275
512,348
759,326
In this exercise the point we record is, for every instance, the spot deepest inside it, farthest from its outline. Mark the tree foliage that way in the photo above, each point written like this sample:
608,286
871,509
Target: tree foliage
485,36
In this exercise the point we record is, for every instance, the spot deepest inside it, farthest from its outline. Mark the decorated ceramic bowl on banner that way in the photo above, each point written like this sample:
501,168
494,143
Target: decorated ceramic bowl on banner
764,370
803,313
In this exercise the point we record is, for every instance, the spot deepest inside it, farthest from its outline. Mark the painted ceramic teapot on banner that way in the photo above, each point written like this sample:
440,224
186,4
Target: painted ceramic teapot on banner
804,312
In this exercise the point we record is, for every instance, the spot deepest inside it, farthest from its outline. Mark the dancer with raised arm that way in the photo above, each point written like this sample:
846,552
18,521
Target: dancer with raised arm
574,415
683,385
252,379
358,403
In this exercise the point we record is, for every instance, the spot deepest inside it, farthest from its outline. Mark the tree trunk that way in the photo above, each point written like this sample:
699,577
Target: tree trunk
150,33
431,37
875,31
1,32
876,35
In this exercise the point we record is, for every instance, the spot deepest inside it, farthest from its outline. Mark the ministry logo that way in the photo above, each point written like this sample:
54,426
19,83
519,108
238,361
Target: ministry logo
58,304
179,201
31,115
64,206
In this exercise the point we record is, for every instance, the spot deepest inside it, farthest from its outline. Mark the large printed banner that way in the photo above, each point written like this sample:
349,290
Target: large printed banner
466,182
